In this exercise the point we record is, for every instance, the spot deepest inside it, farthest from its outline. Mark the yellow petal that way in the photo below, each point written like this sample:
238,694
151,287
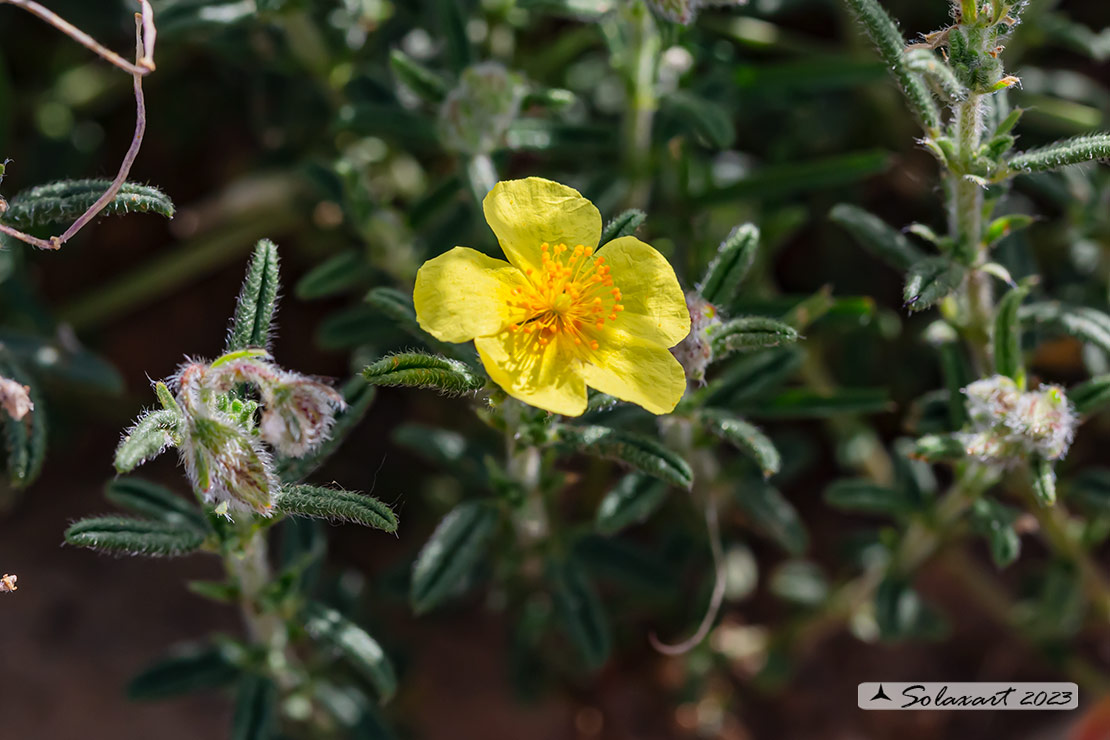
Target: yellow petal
636,371
526,213
654,304
548,380
463,294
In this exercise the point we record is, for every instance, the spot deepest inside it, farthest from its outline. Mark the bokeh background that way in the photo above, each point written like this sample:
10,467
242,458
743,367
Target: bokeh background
284,121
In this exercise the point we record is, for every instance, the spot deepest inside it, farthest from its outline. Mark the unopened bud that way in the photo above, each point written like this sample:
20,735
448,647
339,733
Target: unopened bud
477,113
227,466
695,352
15,398
298,414
1007,424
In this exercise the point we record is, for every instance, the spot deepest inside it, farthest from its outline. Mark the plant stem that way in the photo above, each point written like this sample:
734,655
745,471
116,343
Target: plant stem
642,71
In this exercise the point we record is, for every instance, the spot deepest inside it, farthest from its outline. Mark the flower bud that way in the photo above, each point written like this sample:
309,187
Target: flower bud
226,465
1007,424
298,414
695,352
15,398
477,113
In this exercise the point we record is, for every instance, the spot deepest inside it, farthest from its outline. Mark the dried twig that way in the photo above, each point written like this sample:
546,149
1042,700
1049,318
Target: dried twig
145,34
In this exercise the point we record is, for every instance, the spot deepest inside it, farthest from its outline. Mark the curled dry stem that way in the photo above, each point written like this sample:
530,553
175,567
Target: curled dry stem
145,34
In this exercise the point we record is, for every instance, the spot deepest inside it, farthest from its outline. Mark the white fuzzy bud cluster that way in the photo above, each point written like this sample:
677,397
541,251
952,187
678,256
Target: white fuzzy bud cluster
1008,424
15,398
695,352
226,455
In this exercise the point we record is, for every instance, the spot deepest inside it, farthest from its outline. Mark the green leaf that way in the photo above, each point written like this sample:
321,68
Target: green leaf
884,33
752,376
930,280
336,505
451,553
939,447
416,77
24,439
419,370
635,498
158,502
125,536
254,311
1088,324
995,521
1003,226
67,200
183,671
339,274
1007,336
804,403
770,513
1091,395
749,333
901,614
1090,490
643,453
875,236
580,611
710,121
781,180
399,308
151,435
452,17
359,649
358,396
61,360
1081,149
735,257
861,495
746,437
256,709
625,224
1043,478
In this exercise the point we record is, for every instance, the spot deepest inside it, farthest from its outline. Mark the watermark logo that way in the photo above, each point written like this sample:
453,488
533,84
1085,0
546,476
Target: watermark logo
890,695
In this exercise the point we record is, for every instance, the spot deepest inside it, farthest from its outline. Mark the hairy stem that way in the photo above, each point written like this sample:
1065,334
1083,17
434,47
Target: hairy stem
640,114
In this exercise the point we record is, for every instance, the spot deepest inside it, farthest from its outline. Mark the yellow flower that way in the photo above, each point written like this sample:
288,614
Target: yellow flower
559,316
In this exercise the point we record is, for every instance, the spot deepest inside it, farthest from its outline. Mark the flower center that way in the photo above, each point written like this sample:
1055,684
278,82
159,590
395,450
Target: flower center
571,295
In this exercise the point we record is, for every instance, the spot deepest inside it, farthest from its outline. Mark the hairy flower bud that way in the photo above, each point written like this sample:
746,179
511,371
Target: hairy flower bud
477,113
695,352
298,414
1007,424
15,398
227,465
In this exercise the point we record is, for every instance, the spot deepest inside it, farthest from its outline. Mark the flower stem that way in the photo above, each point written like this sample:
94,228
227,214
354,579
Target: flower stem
645,48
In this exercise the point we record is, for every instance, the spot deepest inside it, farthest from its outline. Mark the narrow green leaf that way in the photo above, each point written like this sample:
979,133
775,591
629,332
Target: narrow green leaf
901,614
336,505
254,311
1003,226
151,435
1043,478
624,224
218,591
339,274
926,63
1063,153
451,553
1088,324
24,439
1008,360
735,257
888,40
358,396
416,77
67,200
708,120
183,671
804,403
864,496
752,376
875,236
746,437
930,280
126,536
580,610
781,180
995,521
770,513
643,453
419,370
158,502
358,648
938,447
749,333
1091,395
398,307
452,18
635,498
256,709
1090,490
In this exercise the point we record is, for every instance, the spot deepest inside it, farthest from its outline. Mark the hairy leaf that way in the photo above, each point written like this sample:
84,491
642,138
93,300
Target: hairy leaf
359,649
336,505
735,257
256,709
624,224
183,671
874,235
643,453
419,370
930,280
451,552
746,437
67,200
635,498
156,501
580,610
254,311
126,536
749,333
